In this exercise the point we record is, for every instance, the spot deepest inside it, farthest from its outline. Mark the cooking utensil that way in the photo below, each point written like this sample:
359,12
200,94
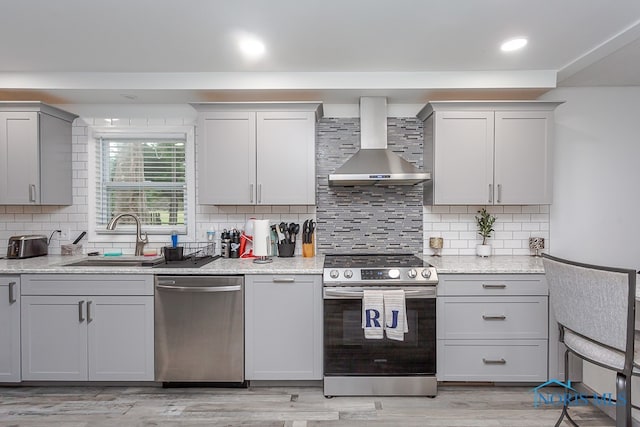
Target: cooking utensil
75,242
281,229
294,229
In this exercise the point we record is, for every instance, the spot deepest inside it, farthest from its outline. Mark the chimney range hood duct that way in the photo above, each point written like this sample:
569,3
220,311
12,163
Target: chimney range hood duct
374,163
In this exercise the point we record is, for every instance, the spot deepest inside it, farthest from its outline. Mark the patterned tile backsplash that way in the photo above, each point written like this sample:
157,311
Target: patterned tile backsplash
350,219
367,219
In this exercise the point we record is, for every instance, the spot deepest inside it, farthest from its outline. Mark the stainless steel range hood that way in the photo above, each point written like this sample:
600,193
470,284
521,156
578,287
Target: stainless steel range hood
375,164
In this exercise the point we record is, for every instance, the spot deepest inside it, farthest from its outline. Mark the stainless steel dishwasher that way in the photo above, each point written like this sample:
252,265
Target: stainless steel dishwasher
199,329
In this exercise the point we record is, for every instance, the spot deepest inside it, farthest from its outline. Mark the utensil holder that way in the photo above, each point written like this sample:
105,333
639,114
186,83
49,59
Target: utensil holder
173,254
286,249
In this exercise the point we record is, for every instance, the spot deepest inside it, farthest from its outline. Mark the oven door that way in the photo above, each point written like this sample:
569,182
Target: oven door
348,353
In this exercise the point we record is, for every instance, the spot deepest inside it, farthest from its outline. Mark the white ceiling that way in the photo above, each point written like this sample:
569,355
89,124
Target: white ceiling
166,51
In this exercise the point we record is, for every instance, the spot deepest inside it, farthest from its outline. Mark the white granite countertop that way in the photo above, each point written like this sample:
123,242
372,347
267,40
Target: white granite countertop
496,264
296,265
55,264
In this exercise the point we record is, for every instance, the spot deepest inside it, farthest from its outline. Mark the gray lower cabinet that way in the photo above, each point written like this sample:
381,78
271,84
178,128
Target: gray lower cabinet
87,327
283,327
492,327
9,329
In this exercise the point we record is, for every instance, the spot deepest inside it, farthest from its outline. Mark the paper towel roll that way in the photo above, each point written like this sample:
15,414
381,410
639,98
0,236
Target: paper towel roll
261,237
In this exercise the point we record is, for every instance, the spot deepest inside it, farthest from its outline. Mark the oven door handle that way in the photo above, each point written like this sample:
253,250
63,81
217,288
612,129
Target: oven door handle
337,293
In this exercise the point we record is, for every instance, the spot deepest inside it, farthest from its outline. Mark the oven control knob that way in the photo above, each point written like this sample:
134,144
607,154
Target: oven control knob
334,274
412,273
348,274
426,273
394,273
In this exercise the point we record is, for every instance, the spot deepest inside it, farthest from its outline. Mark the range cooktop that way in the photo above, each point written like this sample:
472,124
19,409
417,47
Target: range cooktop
372,260
377,269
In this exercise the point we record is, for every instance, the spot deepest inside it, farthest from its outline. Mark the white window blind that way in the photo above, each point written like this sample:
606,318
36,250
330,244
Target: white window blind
145,176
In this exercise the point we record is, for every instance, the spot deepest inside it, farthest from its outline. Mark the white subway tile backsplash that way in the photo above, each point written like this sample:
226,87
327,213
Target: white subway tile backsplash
531,209
513,226
512,229
441,226
459,226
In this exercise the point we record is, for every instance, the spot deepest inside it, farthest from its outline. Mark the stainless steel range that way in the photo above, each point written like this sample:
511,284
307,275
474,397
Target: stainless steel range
354,365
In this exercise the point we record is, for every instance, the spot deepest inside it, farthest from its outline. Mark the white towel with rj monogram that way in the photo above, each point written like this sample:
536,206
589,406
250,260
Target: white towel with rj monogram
395,315
373,314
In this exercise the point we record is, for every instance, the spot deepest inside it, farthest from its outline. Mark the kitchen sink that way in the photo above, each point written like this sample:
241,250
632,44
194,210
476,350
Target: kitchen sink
109,262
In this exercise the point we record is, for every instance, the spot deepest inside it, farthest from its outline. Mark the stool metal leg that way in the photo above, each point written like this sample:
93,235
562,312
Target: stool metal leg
565,404
623,404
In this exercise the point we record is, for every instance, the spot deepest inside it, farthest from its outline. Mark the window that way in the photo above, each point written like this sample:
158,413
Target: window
148,174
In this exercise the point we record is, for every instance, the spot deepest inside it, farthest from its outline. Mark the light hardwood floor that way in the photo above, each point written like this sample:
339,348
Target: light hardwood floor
276,406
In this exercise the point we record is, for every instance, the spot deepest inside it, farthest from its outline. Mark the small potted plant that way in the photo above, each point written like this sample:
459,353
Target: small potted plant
485,227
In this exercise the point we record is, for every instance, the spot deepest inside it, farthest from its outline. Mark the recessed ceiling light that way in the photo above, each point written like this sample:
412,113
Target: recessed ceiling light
251,47
513,44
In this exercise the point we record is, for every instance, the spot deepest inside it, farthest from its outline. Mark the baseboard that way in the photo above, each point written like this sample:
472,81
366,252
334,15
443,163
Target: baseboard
609,410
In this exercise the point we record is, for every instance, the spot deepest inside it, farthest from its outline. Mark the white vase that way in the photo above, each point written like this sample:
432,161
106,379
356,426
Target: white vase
483,250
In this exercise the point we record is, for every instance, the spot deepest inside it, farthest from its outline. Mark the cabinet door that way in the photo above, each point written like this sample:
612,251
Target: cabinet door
54,338
463,157
283,328
226,154
10,329
120,338
286,158
523,157
19,158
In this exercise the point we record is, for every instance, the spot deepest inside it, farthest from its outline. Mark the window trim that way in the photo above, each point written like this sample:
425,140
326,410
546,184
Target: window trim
95,132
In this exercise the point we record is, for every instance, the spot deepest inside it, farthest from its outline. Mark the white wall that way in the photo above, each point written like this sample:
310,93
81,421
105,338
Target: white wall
594,216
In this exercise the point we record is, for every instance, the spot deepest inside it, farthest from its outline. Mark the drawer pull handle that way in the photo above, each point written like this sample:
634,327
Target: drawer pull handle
488,286
12,292
490,317
89,319
494,361
284,279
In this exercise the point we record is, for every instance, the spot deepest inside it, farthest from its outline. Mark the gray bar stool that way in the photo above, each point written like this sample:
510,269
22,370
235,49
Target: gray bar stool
595,310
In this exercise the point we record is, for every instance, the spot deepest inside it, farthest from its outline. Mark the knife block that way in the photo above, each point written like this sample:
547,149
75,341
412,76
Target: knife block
308,249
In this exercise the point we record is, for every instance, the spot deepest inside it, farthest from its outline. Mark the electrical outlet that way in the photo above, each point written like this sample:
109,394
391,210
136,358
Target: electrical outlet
64,234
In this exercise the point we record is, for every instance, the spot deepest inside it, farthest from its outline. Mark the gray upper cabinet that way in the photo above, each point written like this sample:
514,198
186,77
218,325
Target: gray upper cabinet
35,154
256,153
488,153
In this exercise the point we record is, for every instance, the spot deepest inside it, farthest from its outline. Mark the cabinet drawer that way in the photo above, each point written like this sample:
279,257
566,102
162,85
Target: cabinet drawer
492,360
492,284
492,318
86,284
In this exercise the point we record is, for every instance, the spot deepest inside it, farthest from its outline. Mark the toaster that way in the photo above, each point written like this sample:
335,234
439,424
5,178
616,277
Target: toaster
27,246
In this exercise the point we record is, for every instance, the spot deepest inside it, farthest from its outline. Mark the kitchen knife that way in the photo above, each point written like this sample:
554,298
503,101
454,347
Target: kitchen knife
75,242
305,230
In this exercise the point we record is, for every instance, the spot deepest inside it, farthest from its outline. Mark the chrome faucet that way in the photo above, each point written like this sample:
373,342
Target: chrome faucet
140,242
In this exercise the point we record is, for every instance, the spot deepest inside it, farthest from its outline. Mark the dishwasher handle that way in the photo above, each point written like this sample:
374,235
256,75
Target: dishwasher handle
174,288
